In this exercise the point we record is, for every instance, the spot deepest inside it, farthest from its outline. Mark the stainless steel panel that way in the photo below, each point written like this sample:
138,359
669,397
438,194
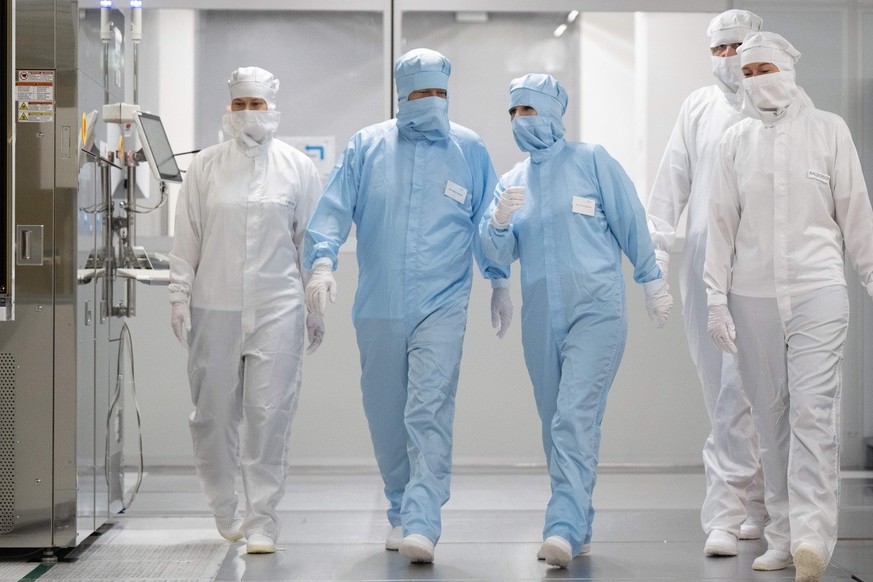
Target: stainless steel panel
7,208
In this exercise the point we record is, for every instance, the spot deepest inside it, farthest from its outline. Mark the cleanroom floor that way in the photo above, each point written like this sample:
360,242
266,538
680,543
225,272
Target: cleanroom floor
334,527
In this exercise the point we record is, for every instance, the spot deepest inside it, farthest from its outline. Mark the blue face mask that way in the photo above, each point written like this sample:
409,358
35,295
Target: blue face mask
428,115
535,132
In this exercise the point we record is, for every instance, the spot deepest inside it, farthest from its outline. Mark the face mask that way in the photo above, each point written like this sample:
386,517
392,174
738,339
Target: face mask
252,128
767,96
428,116
535,132
728,73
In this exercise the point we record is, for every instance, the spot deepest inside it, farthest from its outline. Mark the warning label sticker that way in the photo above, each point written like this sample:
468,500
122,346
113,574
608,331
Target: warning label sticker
35,95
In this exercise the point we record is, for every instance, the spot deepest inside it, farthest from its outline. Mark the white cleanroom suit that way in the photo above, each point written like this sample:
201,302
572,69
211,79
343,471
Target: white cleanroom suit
788,199
240,223
734,481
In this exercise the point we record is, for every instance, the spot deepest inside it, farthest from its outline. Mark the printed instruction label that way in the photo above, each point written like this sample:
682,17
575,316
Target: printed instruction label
34,96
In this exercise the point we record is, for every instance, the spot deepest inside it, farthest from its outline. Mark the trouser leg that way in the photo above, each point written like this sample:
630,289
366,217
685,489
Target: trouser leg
383,348
214,369
271,382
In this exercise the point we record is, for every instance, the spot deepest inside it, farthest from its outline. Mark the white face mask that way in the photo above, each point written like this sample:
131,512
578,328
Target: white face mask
252,128
767,96
728,73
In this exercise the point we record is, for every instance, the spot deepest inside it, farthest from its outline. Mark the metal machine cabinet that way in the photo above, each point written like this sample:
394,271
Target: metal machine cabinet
56,351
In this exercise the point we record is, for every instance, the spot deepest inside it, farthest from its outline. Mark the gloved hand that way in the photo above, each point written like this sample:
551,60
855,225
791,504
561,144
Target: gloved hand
510,201
314,331
663,260
321,286
501,310
720,326
180,320
870,288
659,302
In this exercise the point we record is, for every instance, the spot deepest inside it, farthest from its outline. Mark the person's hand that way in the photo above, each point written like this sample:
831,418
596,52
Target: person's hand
501,310
314,331
659,302
321,286
180,320
720,326
510,201
662,258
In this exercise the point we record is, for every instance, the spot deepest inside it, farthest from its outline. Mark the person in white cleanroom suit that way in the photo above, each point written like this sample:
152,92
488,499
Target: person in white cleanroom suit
237,292
734,503
788,197
416,187
568,212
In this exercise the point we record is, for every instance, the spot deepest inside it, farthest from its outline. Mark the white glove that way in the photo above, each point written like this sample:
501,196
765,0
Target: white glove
180,320
510,201
870,288
501,310
659,302
720,326
314,331
321,286
663,260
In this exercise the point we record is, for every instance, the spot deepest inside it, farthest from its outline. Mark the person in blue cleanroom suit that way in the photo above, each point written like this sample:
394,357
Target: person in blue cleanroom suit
415,187
567,213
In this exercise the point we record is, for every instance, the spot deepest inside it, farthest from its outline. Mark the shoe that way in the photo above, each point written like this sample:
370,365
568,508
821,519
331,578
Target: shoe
585,549
809,565
417,548
394,538
720,543
230,528
749,530
260,544
556,551
772,560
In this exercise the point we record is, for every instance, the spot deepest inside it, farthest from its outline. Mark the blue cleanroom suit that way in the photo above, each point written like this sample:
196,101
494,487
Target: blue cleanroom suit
415,187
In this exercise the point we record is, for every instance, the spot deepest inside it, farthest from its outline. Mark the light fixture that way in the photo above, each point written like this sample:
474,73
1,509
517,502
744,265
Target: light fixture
105,3
560,30
571,18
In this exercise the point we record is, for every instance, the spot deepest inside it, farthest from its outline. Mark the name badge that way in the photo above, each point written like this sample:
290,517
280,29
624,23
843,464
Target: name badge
582,205
819,176
456,192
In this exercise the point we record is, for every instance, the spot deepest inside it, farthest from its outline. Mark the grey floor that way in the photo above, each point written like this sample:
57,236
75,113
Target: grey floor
334,528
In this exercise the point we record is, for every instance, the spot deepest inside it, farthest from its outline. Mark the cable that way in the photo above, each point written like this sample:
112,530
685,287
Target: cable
125,338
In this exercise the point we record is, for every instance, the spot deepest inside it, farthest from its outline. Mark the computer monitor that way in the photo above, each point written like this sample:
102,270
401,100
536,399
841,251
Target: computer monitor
156,147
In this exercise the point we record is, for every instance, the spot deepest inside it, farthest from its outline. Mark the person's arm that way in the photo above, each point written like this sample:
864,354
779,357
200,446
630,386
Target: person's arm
852,209
724,221
185,255
485,180
310,192
331,222
625,216
671,189
498,244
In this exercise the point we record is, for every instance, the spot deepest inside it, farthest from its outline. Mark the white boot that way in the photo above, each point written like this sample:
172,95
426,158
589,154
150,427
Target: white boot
809,565
230,528
749,530
586,549
417,548
556,551
772,560
260,544
720,543
394,538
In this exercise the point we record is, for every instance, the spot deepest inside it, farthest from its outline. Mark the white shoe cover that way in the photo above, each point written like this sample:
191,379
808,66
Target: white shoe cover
720,543
230,527
394,538
417,548
556,551
260,544
586,549
809,565
772,560
749,530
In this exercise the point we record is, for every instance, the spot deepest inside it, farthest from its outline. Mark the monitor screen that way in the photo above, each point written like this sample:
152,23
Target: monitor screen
156,147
